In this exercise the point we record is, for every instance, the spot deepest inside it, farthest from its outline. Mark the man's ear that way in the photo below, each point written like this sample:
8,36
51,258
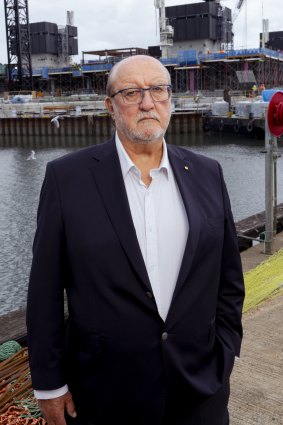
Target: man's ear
109,106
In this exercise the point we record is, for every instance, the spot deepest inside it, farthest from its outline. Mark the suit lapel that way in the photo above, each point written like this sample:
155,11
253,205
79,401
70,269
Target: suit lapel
107,175
106,172
186,179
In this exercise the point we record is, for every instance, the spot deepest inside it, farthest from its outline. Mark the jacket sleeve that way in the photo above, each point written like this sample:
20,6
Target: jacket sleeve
45,305
231,289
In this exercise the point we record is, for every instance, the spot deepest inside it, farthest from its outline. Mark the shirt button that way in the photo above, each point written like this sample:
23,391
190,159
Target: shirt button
164,336
149,295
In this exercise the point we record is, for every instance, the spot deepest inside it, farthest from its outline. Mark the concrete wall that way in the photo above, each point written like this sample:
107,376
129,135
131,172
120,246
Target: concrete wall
203,46
45,59
85,126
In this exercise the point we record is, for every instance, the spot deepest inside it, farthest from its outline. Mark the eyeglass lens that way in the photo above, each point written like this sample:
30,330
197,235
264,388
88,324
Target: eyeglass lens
158,94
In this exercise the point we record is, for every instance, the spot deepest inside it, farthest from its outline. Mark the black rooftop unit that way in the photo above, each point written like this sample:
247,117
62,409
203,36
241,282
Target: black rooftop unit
155,51
43,28
72,46
45,38
200,21
72,31
275,41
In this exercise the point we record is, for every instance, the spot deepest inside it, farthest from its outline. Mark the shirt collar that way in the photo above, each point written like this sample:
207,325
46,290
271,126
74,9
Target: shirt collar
128,165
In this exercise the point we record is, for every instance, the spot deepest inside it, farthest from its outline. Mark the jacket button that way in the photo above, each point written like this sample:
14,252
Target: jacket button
164,336
149,295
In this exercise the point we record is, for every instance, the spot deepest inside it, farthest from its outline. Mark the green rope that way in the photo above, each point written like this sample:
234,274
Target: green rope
31,405
8,349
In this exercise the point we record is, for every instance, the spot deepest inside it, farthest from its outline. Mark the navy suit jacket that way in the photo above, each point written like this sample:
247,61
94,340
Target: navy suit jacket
113,352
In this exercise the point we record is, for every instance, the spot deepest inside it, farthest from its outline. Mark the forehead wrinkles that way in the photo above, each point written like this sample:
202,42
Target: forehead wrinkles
130,73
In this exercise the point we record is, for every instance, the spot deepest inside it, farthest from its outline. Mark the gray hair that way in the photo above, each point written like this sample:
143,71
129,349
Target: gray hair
116,66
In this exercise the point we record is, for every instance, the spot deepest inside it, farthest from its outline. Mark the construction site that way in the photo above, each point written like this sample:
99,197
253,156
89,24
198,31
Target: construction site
196,45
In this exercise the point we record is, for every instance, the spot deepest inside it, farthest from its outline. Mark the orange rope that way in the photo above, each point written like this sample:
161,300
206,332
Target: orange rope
13,416
16,388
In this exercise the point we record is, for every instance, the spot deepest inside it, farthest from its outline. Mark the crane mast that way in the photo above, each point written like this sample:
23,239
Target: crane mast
18,44
237,9
166,31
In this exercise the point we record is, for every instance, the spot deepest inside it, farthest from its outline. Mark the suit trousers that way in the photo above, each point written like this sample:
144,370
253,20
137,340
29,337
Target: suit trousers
193,411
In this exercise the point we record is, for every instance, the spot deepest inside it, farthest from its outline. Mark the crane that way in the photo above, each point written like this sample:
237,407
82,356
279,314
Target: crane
237,10
166,30
235,13
18,44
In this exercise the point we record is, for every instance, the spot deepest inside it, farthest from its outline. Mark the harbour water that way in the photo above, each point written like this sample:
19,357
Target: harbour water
241,158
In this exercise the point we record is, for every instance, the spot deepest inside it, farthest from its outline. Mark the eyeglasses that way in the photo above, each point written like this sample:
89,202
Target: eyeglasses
132,96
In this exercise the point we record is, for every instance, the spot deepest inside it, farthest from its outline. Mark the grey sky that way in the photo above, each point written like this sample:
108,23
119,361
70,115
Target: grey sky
105,24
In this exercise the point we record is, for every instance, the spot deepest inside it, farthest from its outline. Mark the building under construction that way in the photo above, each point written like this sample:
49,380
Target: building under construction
198,43
235,70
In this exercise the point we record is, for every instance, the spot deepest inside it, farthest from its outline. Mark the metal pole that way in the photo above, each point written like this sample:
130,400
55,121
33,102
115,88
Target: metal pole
270,143
275,193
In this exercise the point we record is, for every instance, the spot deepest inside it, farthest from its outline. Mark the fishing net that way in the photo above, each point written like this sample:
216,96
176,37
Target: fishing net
17,403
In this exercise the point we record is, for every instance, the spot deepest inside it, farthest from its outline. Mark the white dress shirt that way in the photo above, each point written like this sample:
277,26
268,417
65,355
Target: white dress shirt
161,225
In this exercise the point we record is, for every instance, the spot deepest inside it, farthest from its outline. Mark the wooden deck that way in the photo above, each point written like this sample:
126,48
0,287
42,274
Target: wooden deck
13,326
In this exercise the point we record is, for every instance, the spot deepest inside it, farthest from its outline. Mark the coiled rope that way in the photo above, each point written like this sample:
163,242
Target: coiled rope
8,349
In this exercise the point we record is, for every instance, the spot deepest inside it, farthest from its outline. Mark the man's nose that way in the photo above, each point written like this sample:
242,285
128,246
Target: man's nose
146,102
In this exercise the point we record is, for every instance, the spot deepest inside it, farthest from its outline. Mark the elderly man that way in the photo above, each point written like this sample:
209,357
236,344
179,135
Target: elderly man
141,237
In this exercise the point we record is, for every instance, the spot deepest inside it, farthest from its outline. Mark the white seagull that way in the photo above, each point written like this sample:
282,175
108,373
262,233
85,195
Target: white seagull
31,155
55,121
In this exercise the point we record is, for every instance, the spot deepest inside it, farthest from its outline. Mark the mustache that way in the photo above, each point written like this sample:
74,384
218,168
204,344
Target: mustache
147,115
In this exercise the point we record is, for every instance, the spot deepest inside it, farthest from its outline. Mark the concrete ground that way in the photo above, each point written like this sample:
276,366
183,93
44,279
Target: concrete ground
252,257
257,378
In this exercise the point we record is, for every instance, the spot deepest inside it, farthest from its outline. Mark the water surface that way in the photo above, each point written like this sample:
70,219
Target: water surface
20,182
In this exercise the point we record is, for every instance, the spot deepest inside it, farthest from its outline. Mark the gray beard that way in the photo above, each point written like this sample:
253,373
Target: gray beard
142,137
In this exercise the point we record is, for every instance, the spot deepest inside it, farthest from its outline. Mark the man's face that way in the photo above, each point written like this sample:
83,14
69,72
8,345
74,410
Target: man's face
147,121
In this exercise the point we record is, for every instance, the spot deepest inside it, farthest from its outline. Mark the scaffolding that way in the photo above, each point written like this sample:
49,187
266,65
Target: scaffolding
209,73
63,47
220,75
18,44
66,83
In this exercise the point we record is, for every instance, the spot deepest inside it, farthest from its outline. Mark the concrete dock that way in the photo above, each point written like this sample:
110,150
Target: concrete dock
257,378
252,257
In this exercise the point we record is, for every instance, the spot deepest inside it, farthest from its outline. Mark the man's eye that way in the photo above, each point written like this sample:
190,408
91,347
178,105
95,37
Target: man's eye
131,93
157,89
